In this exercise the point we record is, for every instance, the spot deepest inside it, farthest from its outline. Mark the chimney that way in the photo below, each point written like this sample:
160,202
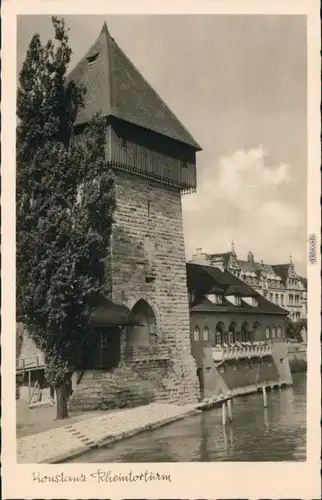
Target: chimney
199,257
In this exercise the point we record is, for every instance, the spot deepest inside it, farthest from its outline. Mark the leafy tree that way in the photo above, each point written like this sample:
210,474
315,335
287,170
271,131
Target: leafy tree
64,208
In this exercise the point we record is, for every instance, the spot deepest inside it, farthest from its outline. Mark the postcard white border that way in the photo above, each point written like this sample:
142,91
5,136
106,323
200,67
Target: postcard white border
191,480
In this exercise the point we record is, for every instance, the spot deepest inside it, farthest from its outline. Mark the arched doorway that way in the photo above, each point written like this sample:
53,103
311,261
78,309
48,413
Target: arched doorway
219,334
232,332
245,331
144,334
257,333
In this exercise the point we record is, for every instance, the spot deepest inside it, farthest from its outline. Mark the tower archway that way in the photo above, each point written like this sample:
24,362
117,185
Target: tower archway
145,333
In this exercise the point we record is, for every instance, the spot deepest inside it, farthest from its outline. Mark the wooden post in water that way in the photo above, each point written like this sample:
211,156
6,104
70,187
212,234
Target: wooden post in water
264,396
29,385
229,410
223,410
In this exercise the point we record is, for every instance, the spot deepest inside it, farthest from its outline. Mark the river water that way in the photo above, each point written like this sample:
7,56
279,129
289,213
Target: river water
275,433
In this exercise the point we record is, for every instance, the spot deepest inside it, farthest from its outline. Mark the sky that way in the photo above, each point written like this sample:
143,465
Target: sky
238,84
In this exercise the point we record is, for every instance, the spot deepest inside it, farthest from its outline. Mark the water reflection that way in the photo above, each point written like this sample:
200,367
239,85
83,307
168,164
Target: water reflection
275,433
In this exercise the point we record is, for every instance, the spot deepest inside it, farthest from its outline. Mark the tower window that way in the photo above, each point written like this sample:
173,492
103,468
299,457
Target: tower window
92,59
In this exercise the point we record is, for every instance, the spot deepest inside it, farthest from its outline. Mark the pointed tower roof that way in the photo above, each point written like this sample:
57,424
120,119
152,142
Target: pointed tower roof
115,87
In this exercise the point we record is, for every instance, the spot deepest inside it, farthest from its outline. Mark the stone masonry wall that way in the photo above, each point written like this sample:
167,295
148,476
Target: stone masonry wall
148,241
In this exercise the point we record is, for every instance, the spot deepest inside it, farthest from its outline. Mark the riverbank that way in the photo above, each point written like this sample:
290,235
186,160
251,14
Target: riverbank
276,433
45,440
68,441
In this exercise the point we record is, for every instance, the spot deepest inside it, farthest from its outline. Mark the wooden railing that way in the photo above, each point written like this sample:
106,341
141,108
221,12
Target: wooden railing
220,353
29,363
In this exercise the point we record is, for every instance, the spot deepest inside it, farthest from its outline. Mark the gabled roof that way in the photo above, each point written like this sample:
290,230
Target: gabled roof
282,271
116,88
201,279
225,257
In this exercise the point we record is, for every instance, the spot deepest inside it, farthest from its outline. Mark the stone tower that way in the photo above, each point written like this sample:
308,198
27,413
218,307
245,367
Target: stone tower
154,161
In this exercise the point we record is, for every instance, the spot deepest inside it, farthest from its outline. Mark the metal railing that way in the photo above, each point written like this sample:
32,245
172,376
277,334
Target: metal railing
221,353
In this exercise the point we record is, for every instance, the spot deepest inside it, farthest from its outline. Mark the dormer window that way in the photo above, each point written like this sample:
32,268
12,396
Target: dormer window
234,299
92,59
215,298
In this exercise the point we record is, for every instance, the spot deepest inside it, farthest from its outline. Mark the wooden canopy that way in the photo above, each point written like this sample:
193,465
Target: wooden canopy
107,313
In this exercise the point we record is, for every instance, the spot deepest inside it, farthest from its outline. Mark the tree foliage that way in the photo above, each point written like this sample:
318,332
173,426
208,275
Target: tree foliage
64,207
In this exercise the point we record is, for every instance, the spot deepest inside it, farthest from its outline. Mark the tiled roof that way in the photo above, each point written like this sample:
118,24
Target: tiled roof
257,267
245,265
241,291
201,279
116,88
227,280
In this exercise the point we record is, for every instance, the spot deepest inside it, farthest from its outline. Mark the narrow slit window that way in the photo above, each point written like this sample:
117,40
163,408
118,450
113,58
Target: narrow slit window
92,59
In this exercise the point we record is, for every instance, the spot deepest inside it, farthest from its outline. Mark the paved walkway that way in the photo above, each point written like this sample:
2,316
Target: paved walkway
76,438
41,419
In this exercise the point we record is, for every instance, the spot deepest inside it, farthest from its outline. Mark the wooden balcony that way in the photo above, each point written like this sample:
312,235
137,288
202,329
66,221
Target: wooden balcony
30,363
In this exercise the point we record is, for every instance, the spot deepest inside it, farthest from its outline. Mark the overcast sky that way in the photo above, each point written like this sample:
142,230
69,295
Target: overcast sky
238,83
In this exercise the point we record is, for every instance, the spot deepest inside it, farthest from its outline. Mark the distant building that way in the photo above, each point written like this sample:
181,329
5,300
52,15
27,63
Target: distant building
237,335
280,283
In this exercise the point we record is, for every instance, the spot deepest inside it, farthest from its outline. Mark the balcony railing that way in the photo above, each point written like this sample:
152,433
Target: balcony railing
32,362
222,353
